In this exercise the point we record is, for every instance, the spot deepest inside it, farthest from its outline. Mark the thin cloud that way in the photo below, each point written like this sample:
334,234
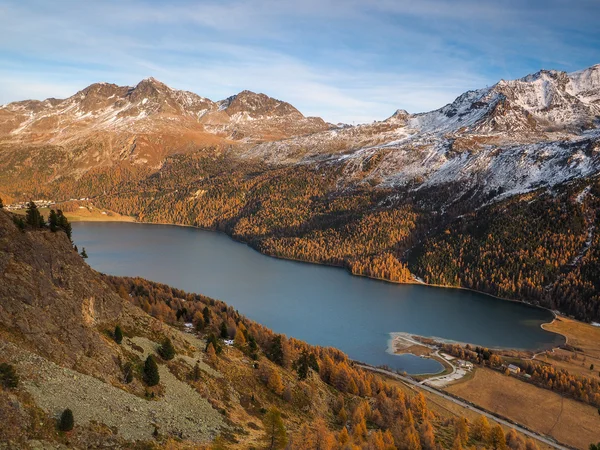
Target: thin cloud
344,60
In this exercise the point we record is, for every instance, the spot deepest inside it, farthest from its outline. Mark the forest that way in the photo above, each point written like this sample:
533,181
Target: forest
541,247
367,412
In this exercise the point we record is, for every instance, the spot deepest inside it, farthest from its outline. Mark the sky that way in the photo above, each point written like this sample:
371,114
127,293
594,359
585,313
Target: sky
350,61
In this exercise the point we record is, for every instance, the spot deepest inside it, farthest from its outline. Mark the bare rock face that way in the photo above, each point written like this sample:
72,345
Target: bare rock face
52,303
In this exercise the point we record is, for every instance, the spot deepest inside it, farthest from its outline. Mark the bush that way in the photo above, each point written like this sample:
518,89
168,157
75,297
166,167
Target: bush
166,350
118,334
8,376
151,375
66,422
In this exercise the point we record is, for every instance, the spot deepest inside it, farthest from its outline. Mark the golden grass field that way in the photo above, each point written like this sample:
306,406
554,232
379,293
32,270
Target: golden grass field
569,421
86,214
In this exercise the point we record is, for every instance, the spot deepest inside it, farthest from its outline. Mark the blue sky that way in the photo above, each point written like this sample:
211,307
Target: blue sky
344,60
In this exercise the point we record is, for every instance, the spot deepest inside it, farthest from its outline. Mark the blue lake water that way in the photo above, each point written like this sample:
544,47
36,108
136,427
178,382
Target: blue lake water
318,304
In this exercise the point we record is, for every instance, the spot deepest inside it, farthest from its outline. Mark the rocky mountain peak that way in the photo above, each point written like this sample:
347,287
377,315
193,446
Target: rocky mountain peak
257,106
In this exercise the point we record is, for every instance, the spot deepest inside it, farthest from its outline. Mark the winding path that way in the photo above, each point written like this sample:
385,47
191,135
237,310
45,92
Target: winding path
520,428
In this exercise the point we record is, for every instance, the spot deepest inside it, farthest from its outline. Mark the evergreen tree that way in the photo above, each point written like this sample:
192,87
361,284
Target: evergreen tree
118,334
151,375
64,224
83,253
53,221
276,351
302,365
206,314
224,333
1,203
215,343
19,222
66,422
33,216
8,376
275,434
166,350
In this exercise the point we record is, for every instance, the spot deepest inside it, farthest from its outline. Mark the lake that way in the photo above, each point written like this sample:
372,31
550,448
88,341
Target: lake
318,304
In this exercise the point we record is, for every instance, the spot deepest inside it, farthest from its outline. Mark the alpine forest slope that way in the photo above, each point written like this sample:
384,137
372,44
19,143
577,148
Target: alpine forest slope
84,365
496,191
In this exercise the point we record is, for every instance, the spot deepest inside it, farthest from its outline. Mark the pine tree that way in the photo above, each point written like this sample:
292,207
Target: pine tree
275,434
64,224
53,221
206,314
276,351
166,350
151,375
84,254
33,216
1,203
118,335
19,222
8,376
67,421
223,331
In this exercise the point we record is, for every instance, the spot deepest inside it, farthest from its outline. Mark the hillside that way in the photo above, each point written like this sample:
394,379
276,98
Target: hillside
57,318
496,191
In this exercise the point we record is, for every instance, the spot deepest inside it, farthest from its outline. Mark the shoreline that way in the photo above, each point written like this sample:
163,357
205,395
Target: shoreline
346,269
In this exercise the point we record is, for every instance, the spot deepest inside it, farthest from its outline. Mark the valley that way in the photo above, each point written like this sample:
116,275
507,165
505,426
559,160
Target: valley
495,193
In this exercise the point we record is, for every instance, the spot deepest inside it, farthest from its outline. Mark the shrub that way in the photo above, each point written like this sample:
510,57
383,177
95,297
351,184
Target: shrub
66,422
118,334
166,350
8,376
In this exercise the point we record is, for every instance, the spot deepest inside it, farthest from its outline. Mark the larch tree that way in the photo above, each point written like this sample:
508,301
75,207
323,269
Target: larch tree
480,430
274,383
275,433
211,353
497,440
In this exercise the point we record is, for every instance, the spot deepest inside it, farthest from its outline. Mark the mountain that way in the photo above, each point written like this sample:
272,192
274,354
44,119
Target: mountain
143,124
497,191
515,136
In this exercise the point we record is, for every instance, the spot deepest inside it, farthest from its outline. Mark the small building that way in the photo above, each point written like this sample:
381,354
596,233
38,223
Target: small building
447,357
514,369
465,364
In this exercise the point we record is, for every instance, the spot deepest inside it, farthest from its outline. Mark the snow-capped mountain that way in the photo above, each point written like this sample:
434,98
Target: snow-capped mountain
512,137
